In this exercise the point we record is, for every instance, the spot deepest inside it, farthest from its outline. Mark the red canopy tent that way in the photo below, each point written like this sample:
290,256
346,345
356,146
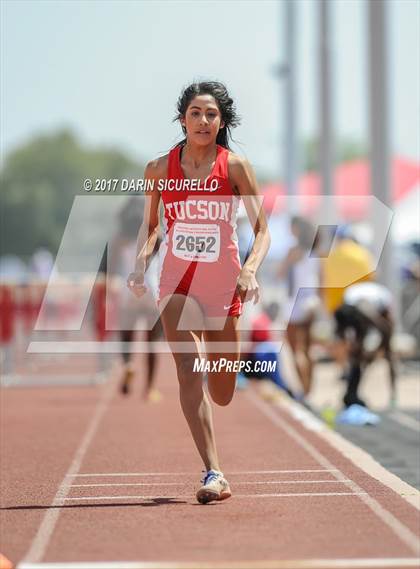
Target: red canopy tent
350,179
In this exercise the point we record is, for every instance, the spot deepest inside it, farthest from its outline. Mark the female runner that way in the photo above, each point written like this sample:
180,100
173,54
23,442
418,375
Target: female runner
202,285
302,270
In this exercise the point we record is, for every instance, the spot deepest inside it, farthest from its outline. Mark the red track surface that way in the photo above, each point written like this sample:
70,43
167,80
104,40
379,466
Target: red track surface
285,515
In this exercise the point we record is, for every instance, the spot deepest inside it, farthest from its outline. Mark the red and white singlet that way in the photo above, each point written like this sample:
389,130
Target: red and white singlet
199,254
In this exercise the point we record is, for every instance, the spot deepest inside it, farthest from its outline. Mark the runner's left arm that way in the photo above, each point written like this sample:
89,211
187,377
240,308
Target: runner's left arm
243,180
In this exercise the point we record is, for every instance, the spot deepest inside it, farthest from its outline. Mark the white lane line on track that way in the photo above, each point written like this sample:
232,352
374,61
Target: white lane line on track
405,420
236,483
368,563
46,529
299,494
105,474
397,527
178,496
117,347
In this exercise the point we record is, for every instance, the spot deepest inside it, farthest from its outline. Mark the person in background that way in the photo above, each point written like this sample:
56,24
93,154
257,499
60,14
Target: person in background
122,257
348,263
264,349
42,264
301,269
366,307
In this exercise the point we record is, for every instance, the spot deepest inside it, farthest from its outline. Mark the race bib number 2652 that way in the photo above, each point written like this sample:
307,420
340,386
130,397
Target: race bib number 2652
196,242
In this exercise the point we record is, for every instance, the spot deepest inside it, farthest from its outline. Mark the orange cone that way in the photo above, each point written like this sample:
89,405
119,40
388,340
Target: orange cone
5,563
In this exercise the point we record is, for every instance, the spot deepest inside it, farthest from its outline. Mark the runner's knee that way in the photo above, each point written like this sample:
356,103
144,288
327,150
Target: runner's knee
222,400
185,369
222,394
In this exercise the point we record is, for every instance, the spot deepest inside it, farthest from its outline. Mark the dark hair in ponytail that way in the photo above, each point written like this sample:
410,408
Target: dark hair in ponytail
224,102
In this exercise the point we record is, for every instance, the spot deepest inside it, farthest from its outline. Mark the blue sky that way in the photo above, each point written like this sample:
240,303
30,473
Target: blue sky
112,71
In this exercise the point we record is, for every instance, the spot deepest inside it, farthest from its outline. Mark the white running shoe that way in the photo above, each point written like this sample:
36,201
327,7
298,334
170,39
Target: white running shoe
214,487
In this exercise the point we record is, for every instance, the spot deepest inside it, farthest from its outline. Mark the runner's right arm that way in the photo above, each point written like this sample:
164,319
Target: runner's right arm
148,232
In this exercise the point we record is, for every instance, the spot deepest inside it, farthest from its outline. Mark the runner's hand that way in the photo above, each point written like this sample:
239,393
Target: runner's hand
247,286
135,283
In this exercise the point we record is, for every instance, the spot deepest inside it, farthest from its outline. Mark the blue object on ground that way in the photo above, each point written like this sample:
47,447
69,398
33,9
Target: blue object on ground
241,381
357,415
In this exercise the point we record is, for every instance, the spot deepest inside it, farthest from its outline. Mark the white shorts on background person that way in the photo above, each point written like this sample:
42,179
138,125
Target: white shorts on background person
303,301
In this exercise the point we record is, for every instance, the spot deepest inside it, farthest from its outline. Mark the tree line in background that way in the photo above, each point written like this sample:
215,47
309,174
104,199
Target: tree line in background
40,179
